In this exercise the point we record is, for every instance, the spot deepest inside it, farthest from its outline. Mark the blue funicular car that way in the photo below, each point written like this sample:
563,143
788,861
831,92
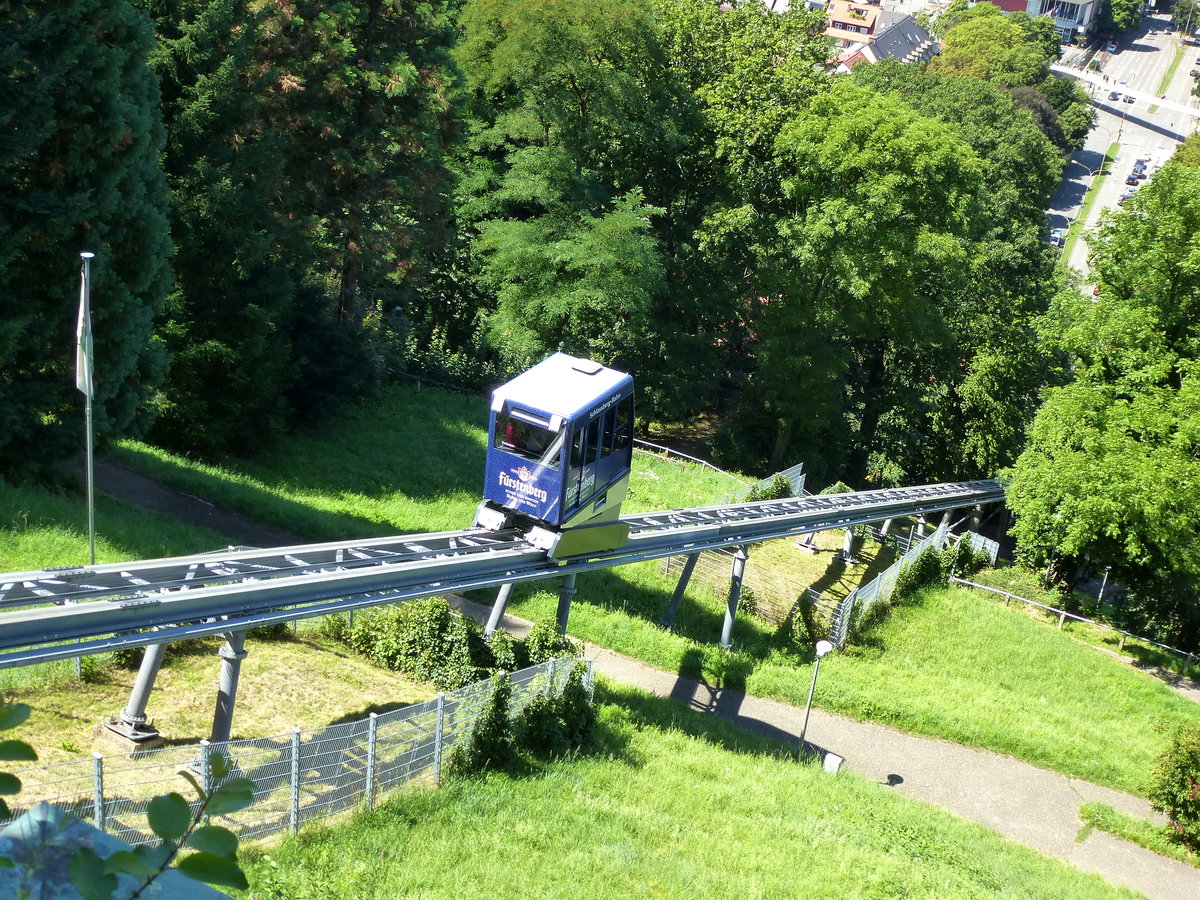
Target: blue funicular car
559,454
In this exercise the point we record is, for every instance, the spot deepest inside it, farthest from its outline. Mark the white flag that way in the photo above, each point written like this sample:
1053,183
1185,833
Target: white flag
83,339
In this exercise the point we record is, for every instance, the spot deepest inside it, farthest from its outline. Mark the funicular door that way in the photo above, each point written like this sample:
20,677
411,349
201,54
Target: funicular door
584,466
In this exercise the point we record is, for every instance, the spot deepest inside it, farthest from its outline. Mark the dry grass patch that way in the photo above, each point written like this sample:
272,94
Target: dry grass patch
307,683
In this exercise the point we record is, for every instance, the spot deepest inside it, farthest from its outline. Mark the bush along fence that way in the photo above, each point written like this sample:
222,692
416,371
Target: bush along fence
1188,660
304,776
863,604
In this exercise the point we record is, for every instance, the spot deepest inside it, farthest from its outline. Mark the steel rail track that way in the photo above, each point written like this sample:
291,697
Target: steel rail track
30,635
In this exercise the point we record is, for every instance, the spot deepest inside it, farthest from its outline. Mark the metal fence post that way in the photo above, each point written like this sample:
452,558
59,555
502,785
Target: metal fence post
437,736
294,805
98,791
372,740
205,771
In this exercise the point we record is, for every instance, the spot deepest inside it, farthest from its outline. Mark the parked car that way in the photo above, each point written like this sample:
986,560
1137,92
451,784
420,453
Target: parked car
1129,98
1114,95
1154,31
1132,179
1125,196
1057,237
1139,171
1112,47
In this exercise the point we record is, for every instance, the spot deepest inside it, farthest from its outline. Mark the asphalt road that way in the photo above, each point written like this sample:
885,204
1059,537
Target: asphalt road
1145,129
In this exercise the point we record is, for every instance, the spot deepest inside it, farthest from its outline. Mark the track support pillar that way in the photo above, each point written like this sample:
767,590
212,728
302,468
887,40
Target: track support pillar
131,723
232,653
689,566
498,608
566,591
735,594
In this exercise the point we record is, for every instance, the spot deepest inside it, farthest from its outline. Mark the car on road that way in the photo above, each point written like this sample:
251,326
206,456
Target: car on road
1114,95
1057,238
1153,31
1129,98
1139,172
1131,179
1112,47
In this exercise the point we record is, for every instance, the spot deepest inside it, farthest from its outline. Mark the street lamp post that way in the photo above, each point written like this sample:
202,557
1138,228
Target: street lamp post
822,648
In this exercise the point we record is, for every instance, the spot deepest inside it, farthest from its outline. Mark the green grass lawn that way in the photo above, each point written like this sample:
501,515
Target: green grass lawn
407,461
672,806
958,666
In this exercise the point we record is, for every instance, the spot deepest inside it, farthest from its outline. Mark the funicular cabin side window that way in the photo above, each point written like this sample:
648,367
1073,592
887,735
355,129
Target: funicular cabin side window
526,439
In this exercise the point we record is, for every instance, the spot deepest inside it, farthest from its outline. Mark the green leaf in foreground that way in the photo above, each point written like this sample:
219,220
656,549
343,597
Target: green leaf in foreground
215,840
18,751
213,869
12,715
235,794
126,862
87,873
169,816
9,783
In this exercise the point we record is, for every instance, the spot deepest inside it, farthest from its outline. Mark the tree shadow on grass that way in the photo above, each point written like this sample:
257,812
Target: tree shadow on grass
720,723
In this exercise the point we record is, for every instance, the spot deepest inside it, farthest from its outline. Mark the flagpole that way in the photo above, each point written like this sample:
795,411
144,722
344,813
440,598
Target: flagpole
84,382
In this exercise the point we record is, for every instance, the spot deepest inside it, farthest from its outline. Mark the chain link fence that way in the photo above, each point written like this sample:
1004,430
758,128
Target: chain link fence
858,602
301,777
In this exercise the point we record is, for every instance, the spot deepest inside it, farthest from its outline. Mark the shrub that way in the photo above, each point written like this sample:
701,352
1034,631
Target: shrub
544,642
963,559
778,488
539,729
490,745
551,726
921,572
1175,784
336,627
508,654
576,709
280,631
422,638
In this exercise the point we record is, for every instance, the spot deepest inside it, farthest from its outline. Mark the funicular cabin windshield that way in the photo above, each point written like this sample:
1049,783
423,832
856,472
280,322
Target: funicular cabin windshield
527,439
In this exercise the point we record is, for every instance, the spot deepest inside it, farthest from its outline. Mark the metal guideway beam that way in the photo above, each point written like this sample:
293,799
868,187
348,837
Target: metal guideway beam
123,620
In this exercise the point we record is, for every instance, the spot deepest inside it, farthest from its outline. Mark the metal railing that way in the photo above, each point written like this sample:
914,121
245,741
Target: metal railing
299,777
1188,659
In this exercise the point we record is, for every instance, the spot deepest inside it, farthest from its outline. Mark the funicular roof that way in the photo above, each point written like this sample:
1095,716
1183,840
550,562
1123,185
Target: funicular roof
561,385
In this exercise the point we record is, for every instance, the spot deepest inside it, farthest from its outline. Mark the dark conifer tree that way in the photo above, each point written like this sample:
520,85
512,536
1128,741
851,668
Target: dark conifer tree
80,138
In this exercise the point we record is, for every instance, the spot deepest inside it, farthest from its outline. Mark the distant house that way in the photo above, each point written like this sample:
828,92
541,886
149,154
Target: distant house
1072,18
863,32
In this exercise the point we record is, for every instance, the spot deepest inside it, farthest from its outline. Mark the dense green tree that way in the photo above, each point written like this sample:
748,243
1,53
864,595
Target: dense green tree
79,170
1121,15
1015,51
552,87
1186,15
878,199
1111,473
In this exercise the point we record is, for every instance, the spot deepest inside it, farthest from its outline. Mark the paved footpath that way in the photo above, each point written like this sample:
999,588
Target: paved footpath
1033,806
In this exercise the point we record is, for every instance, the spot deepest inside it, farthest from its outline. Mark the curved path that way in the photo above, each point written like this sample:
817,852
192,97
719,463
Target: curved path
1034,806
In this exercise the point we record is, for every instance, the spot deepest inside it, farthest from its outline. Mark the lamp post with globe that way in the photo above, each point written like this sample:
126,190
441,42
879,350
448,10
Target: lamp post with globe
822,648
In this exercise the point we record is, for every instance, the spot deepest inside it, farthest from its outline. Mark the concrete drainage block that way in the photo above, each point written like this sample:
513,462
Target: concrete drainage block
833,762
